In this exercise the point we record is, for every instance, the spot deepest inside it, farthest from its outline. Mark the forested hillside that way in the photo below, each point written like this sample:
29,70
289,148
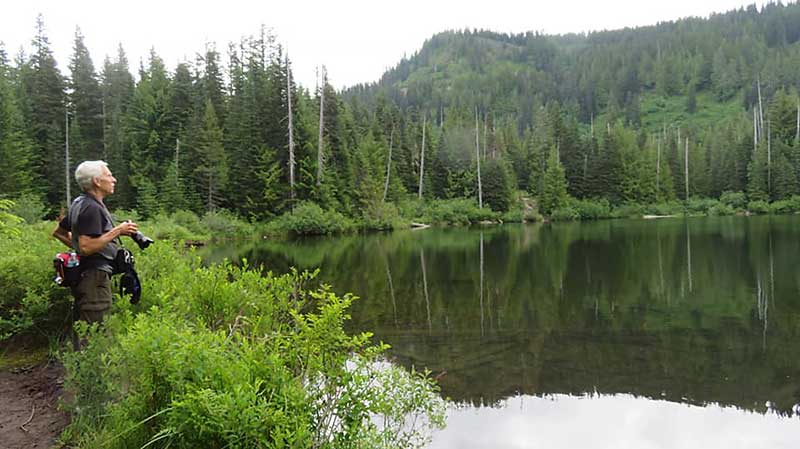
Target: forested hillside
691,108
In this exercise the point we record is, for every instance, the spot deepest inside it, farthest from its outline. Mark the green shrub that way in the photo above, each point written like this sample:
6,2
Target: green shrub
700,206
225,357
458,212
188,220
663,209
565,214
721,209
592,209
30,302
758,207
223,224
736,200
629,210
29,207
307,218
789,206
384,217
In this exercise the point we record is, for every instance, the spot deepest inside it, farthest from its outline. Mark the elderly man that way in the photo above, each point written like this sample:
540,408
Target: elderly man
89,230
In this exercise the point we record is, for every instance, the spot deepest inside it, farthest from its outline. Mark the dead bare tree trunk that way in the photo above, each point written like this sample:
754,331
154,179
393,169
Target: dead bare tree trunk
686,168
177,160
797,133
422,158
320,156
755,131
478,159
66,155
291,129
769,159
481,284
658,167
760,110
485,132
388,164
425,286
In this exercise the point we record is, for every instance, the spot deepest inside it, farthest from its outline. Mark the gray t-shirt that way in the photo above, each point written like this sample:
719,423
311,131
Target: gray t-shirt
92,219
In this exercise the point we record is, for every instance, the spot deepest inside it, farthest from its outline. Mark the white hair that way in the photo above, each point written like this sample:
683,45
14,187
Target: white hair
87,171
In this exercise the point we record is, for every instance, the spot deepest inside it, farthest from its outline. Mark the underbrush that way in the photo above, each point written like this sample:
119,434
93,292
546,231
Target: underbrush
224,356
454,212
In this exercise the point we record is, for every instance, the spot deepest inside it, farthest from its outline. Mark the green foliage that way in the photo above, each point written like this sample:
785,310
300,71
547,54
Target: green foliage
223,224
720,209
30,303
789,206
701,206
29,207
456,212
758,207
384,217
591,209
554,195
227,357
629,210
566,213
8,221
307,218
736,200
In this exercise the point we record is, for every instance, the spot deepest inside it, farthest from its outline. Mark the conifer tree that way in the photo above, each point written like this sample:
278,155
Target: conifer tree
86,103
43,90
212,169
117,90
554,190
15,146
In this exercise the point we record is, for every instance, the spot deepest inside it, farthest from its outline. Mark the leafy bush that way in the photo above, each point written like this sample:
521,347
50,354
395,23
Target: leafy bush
629,210
566,213
592,209
700,206
223,224
8,221
29,207
736,200
789,206
721,209
459,212
384,217
30,303
225,357
758,207
308,218
663,209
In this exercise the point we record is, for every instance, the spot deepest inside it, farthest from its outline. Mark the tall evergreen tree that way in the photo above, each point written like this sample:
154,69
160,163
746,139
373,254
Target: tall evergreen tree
212,170
86,104
554,191
43,89
15,146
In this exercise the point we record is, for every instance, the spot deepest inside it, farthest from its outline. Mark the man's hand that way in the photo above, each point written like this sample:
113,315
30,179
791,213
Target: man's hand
127,228
92,245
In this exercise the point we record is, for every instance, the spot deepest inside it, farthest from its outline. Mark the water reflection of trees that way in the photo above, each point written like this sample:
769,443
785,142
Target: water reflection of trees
665,309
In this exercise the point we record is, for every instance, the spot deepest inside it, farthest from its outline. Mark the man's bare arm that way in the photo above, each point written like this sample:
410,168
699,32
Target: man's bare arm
91,245
63,236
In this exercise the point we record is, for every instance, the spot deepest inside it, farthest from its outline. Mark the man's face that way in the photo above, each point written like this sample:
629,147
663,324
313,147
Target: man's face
105,183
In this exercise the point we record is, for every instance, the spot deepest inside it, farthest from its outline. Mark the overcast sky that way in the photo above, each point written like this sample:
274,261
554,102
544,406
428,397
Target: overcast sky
356,39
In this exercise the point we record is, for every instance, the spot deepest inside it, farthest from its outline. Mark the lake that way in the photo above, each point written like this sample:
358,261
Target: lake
666,333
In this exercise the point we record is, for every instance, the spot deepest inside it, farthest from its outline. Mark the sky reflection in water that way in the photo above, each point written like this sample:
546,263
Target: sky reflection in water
613,422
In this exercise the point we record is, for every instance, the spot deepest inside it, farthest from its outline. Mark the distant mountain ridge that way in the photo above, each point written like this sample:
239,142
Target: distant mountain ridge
712,62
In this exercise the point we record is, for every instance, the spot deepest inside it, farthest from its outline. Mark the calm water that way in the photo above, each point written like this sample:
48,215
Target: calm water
664,333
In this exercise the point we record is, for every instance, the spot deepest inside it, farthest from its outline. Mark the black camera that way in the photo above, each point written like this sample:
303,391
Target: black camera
142,240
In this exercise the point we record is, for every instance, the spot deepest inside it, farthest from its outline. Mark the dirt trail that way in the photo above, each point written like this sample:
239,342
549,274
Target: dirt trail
29,414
